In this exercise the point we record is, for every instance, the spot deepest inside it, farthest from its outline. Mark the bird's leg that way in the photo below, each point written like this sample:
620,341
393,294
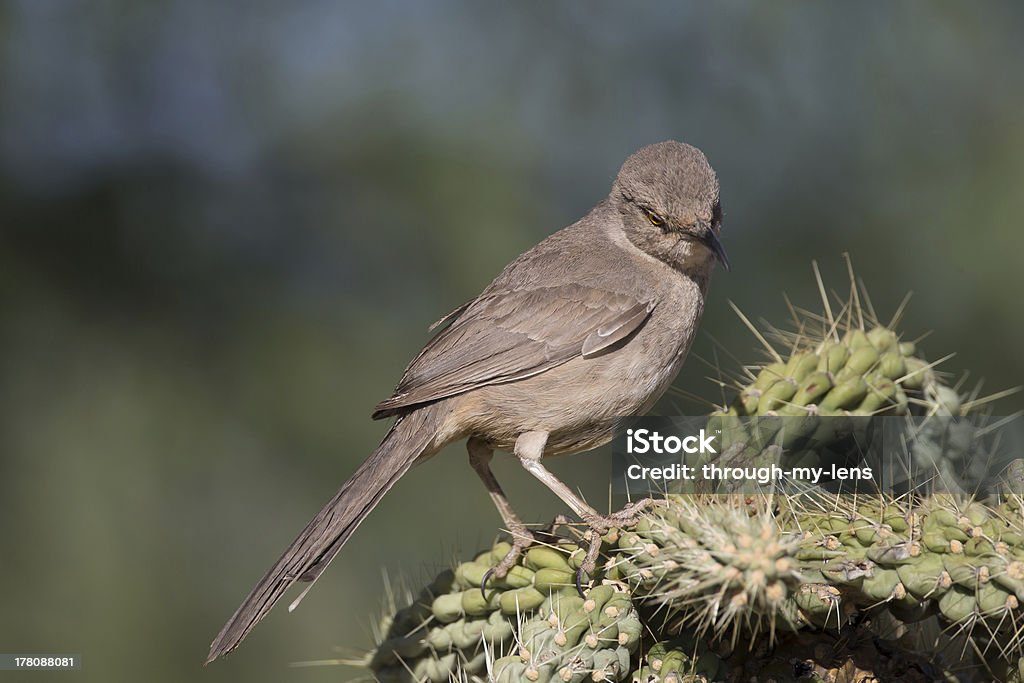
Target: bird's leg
530,449
480,455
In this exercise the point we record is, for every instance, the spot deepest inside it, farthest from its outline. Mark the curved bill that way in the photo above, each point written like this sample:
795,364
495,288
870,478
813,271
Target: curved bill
712,242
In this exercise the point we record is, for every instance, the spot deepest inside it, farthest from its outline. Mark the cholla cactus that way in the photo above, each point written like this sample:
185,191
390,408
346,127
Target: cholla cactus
861,373
715,565
847,362
574,638
856,655
533,616
847,365
721,564
761,586
721,576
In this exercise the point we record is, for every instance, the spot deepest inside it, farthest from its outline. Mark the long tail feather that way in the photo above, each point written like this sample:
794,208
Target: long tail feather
411,438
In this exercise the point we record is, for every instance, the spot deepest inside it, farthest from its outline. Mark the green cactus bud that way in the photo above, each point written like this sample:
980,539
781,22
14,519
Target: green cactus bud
883,339
881,394
1010,576
818,603
948,400
963,571
471,574
498,629
993,601
543,557
813,387
917,374
597,597
447,608
509,670
776,396
548,578
860,362
475,604
520,600
957,605
769,375
833,357
800,365
892,365
465,635
630,632
881,585
857,339
746,402
847,394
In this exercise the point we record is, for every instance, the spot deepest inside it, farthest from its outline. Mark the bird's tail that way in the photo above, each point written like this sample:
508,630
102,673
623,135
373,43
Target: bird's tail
411,438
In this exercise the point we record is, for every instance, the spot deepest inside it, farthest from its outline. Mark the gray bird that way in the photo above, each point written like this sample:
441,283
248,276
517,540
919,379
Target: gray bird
590,325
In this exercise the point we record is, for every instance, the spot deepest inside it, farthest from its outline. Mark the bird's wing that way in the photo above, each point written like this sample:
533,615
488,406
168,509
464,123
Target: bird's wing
509,335
451,316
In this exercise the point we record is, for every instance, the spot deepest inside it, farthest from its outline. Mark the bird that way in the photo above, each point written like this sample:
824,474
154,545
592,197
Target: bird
590,325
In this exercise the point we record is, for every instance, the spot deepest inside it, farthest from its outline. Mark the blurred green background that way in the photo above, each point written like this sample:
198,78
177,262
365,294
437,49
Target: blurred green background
225,227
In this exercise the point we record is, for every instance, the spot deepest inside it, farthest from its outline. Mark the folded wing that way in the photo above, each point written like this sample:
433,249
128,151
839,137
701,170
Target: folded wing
509,335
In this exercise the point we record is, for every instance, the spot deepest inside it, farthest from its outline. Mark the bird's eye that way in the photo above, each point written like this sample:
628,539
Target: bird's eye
654,218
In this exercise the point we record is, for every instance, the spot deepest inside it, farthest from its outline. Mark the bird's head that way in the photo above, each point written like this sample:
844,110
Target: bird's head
667,194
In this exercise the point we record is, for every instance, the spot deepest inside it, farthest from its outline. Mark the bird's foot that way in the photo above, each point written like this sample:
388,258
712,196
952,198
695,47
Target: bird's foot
599,525
522,538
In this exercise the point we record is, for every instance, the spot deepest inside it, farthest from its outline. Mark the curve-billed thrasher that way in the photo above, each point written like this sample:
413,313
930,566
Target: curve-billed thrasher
590,325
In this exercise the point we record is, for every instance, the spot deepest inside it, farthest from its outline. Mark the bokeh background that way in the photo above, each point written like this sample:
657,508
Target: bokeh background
224,229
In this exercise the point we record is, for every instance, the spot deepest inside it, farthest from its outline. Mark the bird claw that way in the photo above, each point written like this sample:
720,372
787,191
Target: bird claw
601,525
483,584
522,538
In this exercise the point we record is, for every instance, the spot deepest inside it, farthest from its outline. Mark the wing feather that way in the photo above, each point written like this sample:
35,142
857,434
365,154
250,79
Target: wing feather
615,331
508,335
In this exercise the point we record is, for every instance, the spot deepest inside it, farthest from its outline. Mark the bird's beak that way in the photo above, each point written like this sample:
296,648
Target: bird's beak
712,242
